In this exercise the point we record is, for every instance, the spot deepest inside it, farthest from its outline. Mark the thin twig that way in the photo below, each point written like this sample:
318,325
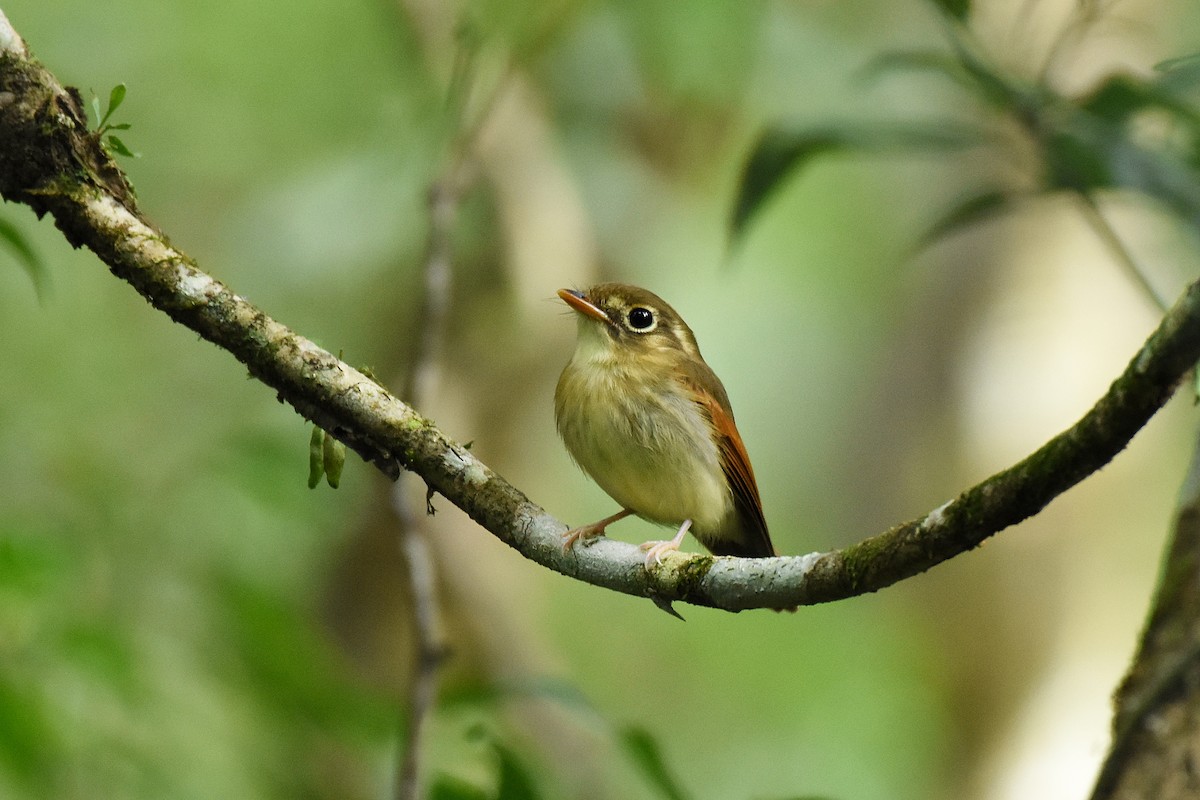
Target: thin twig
430,649
420,386
1084,16
1108,236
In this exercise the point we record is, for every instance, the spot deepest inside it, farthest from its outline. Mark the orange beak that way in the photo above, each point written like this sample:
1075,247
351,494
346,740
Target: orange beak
579,302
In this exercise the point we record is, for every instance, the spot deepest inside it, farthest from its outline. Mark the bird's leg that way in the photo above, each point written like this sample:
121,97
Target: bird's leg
586,532
655,550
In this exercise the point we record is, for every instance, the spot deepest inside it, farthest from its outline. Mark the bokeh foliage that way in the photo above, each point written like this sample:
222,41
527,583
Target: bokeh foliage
165,574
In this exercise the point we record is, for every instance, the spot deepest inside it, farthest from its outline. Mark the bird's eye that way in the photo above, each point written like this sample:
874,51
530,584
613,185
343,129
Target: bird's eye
641,319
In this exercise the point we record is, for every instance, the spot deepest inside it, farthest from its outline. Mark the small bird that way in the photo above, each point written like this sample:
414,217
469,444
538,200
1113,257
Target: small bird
642,413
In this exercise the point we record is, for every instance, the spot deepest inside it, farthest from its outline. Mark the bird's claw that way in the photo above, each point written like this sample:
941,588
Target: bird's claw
657,549
590,532
585,533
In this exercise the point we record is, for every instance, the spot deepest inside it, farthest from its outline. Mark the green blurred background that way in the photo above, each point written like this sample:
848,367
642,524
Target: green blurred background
181,617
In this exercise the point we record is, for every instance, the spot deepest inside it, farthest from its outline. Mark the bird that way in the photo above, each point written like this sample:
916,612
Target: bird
642,413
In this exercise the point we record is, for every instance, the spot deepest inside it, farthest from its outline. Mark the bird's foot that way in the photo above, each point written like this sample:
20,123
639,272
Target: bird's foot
586,533
657,549
589,532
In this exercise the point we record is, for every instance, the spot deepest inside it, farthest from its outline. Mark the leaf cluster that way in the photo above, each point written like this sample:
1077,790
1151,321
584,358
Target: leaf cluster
1127,133
104,128
513,779
326,457
17,242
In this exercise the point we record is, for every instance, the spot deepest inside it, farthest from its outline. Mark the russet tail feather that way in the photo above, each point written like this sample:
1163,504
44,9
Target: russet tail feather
754,541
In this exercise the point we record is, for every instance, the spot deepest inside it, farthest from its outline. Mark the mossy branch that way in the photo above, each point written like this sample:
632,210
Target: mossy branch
50,161
1157,721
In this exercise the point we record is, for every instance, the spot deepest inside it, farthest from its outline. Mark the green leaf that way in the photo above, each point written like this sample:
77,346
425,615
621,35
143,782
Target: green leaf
1076,164
967,212
1121,96
646,753
772,161
96,109
1161,175
115,98
117,146
27,257
515,782
1181,80
564,693
1188,62
333,457
448,787
938,61
962,66
124,126
316,457
1093,148
957,9
780,153
990,84
1118,98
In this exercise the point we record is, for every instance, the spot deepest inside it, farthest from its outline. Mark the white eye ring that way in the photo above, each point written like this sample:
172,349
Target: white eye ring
640,319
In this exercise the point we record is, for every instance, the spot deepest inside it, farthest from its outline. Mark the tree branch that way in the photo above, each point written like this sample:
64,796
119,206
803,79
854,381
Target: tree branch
1156,727
51,162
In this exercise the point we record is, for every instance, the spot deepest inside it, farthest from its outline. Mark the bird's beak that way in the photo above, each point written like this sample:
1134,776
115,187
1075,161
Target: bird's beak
580,303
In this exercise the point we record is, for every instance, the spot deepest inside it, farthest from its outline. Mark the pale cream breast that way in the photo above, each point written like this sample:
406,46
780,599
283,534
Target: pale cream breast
648,447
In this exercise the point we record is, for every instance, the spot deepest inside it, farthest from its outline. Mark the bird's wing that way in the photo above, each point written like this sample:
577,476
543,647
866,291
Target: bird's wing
735,463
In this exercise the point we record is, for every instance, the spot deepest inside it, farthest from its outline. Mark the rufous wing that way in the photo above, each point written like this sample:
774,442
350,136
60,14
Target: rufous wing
753,541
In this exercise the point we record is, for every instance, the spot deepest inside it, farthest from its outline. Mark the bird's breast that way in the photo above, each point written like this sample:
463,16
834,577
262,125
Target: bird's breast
639,434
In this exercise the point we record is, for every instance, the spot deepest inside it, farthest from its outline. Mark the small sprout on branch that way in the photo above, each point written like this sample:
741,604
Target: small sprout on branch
103,134
326,457
333,458
316,459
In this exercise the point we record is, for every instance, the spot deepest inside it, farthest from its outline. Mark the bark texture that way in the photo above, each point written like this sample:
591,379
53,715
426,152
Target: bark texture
1156,728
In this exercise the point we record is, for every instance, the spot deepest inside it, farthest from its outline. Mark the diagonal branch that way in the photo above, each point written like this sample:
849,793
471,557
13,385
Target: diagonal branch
50,161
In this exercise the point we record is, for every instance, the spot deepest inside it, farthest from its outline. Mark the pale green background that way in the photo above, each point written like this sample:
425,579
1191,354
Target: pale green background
180,617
